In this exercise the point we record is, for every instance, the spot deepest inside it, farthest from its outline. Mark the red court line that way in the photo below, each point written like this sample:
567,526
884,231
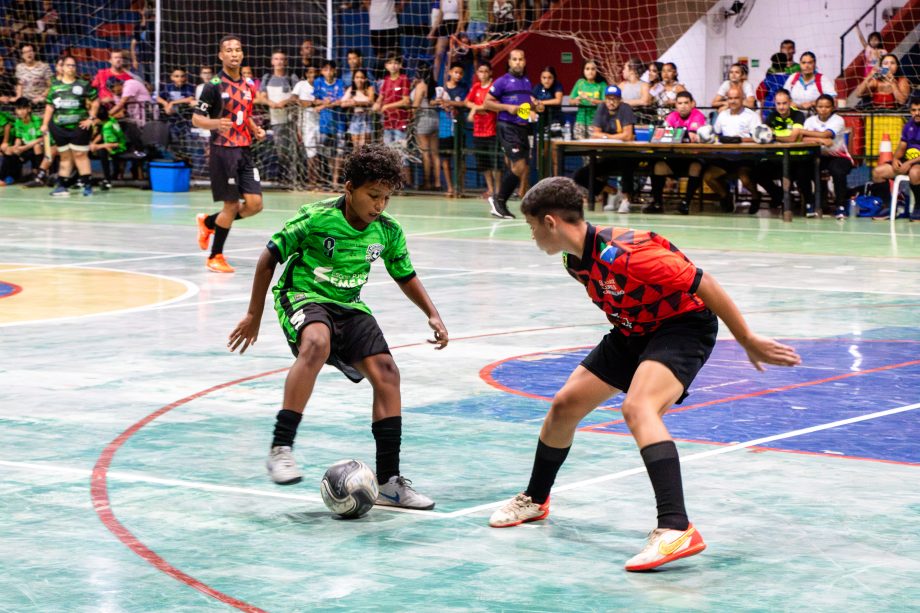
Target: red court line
99,489
772,390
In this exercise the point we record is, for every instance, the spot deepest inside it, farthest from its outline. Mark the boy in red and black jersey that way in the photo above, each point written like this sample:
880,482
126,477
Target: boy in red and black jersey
225,108
664,313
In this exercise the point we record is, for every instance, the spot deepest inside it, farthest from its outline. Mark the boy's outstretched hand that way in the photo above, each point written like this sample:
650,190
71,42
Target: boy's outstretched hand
761,349
245,333
440,333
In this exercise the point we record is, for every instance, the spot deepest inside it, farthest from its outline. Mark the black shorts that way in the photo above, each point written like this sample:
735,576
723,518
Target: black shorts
682,343
447,28
514,140
233,173
354,335
70,138
680,167
487,156
385,42
446,147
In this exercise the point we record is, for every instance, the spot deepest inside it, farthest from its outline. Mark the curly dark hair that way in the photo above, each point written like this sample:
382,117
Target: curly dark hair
374,163
558,195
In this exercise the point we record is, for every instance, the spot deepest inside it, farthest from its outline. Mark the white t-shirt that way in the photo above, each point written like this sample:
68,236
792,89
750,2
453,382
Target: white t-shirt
309,119
808,92
741,124
382,15
837,127
450,10
746,88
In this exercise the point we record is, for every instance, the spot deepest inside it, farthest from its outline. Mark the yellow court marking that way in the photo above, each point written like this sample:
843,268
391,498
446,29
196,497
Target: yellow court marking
71,291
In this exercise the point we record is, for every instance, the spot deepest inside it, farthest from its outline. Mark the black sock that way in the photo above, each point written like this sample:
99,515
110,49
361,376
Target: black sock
658,189
546,464
87,180
663,466
693,184
210,222
286,423
510,183
388,435
220,237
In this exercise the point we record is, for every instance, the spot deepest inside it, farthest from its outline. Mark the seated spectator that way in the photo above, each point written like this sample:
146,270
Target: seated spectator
873,50
734,124
805,86
103,76
772,82
888,89
26,143
131,98
33,78
786,124
902,164
108,143
588,94
329,90
178,95
688,117
614,120
635,92
826,127
737,77
665,91
6,127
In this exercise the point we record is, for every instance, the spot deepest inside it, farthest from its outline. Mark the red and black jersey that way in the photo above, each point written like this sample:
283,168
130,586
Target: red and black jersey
638,278
225,98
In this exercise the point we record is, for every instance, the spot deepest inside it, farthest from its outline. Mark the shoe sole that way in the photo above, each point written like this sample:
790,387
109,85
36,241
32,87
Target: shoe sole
686,553
523,521
217,270
378,503
289,481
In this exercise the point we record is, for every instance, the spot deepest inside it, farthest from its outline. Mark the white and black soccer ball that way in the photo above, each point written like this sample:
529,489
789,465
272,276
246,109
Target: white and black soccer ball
706,134
762,134
349,488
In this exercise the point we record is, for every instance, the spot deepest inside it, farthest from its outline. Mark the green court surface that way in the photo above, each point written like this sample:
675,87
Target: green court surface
132,443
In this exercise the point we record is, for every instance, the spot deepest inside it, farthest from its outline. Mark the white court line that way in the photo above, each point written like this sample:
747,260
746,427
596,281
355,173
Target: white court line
130,477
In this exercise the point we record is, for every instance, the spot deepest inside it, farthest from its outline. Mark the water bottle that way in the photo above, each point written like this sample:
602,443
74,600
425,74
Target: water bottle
567,134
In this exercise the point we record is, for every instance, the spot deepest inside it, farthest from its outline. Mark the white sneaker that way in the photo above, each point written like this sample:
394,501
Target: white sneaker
612,201
624,206
398,492
519,510
665,545
281,466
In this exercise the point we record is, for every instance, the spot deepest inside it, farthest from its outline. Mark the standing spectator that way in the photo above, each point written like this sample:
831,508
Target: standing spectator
826,127
734,124
665,91
205,74
7,85
549,95
901,164
142,42
688,117
773,82
307,59
805,86
249,77
653,77
475,20
787,48
511,96
446,16
178,99
873,51
359,97
276,92
33,78
587,93
424,94
484,140
355,61
116,69
393,104
329,90
309,123
737,77
506,18
635,91
384,26
70,124
453,98
888,89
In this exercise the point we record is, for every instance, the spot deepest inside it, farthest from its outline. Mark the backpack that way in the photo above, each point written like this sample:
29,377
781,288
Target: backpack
868,206
798,77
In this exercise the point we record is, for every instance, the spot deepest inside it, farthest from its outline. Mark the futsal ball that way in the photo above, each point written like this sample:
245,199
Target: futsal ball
349,488
912,154
706,135
762,134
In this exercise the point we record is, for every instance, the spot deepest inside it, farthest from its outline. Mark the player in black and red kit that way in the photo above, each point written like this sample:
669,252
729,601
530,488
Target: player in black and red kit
225,108
663,309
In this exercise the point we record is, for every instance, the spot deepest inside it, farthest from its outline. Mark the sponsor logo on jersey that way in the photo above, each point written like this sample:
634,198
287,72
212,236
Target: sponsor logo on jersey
373,252
328,246
77,90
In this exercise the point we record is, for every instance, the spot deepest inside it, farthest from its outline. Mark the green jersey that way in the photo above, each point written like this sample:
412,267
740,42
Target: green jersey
329,261
586,109
5,119
28,130
69,101
112,133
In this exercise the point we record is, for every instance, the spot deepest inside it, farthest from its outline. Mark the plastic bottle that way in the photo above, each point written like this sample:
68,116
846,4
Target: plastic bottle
567,133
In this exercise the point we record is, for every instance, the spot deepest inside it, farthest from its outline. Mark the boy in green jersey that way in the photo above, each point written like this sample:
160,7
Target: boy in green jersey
108,143
329,247
26,146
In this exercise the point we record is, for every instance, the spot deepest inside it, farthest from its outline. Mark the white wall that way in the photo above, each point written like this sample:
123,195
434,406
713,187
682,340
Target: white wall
814,25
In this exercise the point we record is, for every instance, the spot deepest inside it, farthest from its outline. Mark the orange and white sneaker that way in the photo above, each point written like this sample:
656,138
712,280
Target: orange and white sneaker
219,264
519,510
204,232
666,545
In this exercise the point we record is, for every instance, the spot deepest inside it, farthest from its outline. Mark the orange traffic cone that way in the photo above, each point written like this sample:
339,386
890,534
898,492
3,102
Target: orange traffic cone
884,150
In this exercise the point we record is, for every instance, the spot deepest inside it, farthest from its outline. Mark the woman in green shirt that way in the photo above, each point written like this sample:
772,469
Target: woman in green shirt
587,94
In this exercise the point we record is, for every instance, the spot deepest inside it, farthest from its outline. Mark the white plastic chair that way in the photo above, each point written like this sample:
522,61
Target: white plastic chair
898,180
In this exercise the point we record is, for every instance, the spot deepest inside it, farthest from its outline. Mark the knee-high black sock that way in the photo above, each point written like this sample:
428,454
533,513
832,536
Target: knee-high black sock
210,221
220,237
546,464
693,184
658,189
916,190
388,435
286,423
509,183
663,466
